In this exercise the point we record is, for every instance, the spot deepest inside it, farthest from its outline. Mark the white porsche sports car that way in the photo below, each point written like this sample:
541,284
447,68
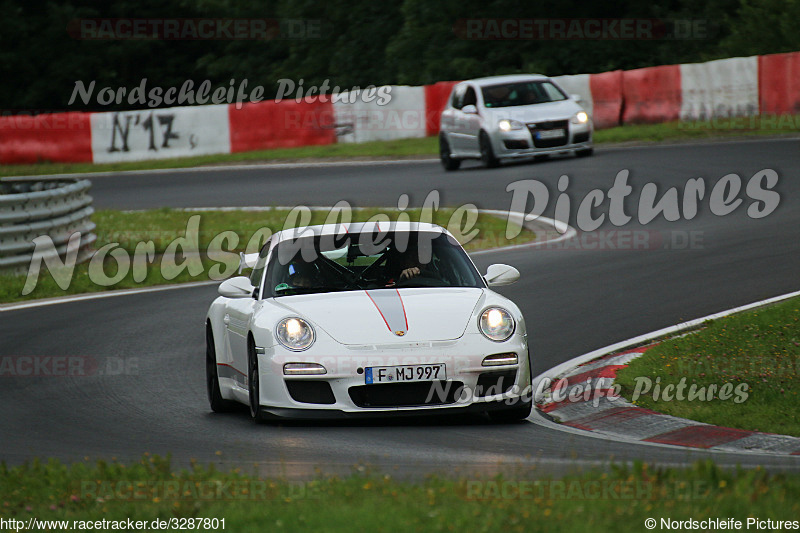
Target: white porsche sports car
367,319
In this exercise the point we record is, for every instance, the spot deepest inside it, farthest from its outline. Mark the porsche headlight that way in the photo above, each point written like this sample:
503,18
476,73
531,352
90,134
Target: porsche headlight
580,118
497,324
507,124
295,334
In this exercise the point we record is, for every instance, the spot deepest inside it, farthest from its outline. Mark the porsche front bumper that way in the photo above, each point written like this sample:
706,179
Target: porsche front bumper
344,391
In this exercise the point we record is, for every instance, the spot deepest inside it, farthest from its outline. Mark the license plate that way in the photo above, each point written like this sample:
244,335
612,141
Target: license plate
404,374
550,134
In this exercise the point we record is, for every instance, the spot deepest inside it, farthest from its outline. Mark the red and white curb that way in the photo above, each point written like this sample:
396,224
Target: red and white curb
579,395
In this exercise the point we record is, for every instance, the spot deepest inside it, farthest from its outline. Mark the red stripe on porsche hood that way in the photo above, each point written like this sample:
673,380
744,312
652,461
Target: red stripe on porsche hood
390,305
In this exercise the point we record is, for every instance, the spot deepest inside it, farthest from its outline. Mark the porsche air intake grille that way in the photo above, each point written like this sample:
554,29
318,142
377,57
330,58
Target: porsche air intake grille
310,391
491,383
406,394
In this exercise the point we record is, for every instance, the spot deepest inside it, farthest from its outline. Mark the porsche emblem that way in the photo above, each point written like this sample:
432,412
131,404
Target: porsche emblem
399,333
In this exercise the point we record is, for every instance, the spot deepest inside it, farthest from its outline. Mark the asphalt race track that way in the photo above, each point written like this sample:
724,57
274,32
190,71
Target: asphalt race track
150,395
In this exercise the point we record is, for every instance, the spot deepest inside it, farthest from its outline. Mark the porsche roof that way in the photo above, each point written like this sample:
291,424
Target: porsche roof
356,227
249,260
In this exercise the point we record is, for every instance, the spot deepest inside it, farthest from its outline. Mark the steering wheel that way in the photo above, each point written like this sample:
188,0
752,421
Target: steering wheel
422,280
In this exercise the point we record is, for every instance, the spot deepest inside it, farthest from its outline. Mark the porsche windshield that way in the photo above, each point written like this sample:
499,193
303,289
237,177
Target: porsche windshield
524,93
368,261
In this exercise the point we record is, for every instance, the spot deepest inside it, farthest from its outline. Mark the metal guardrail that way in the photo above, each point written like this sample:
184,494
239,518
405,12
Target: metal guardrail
29,209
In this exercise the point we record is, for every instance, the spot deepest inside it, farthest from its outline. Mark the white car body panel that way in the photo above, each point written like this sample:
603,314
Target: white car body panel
351,334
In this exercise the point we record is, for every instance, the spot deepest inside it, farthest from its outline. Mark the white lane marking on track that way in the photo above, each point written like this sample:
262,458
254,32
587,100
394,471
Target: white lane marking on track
100,295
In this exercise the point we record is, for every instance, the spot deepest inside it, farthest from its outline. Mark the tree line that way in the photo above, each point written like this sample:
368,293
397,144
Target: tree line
49,46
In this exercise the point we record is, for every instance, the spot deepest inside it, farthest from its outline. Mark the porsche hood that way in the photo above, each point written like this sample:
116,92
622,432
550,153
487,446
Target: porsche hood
389,315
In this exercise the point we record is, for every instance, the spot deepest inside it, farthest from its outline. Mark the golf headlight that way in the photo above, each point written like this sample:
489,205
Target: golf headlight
580,118
497,324
507,125
295,333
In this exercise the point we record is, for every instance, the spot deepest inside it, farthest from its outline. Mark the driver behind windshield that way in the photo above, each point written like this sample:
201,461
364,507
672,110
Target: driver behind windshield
404,265
401,259
303,275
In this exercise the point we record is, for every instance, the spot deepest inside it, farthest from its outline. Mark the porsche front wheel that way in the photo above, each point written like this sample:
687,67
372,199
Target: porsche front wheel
215,399
254,383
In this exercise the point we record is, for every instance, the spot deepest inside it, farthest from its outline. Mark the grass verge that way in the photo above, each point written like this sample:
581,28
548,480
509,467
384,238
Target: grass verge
756,351
620,500
687,130
428,146
228,232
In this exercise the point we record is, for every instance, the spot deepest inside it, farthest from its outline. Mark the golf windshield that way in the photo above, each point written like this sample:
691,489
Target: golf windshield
368,261
523,93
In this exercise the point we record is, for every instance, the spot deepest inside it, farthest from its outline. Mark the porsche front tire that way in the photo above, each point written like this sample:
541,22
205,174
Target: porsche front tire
254,383
216,401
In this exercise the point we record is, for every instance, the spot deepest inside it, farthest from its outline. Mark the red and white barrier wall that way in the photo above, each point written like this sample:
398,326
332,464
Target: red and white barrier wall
606,91
722,88
160,133
285,124
386,113
779,83
436,96
578,84
739,86
651,94
65,137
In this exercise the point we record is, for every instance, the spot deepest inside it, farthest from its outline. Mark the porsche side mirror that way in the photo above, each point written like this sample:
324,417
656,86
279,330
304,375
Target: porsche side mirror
576,97
237,287
499,275
469,109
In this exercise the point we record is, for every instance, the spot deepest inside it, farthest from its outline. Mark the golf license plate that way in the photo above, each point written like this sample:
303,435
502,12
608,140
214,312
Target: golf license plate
550,134
404,373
